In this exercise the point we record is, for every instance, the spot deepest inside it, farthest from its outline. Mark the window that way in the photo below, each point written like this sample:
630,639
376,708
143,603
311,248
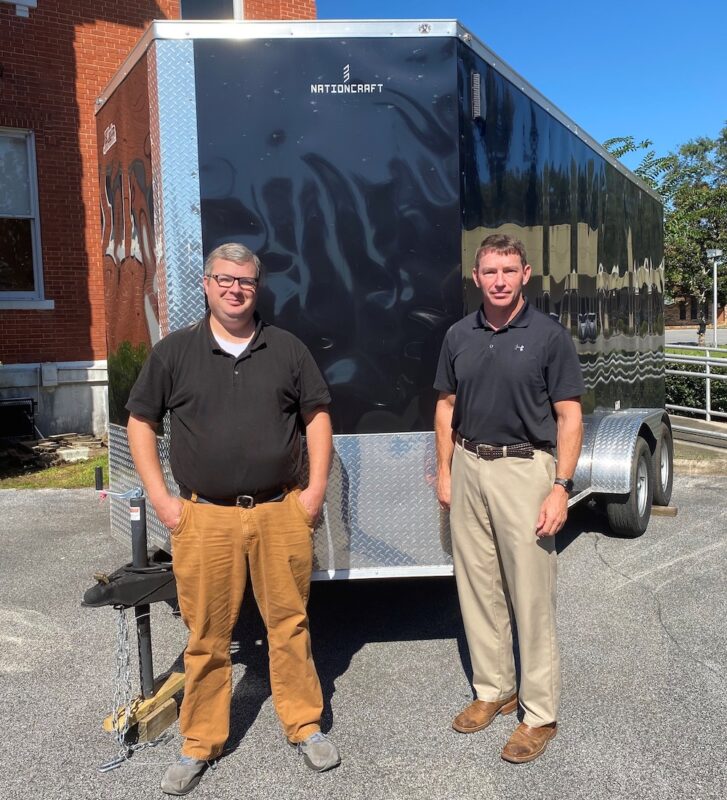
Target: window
682,310
694,308
20,262
209,9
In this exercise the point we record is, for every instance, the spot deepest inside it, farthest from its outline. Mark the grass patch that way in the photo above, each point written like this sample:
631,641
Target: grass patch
79,475
681,351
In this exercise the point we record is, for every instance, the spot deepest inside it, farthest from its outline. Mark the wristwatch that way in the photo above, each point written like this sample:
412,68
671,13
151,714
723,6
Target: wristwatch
566,483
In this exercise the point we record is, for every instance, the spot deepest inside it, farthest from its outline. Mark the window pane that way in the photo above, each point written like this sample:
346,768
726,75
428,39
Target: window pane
14,177
16,256
207,9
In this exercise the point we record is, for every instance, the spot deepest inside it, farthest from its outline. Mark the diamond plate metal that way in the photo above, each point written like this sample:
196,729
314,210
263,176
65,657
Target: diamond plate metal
175,166
381,516
614,448
582,477
123,476
381,508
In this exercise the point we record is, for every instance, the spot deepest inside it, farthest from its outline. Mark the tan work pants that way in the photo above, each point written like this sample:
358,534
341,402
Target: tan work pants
501,566
210,547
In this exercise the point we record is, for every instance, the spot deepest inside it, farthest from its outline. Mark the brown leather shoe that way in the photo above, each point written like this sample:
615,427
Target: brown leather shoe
479,714
527,743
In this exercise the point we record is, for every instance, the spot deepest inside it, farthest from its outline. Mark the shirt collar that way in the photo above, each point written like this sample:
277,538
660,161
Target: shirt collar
257,341
520,320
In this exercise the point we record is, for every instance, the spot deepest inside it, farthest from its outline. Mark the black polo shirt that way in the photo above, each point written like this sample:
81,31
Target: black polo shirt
235,422
506,381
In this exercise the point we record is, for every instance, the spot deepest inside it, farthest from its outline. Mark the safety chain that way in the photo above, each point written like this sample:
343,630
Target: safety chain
122,699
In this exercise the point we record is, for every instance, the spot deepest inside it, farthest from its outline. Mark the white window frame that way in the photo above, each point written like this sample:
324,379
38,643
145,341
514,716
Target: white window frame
35,298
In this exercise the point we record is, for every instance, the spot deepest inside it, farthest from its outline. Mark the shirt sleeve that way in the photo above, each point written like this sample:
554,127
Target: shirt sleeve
563,375
313,389
445,380
150,393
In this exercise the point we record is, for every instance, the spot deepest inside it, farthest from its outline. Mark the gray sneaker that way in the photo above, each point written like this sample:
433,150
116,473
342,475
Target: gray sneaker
182,776
319,752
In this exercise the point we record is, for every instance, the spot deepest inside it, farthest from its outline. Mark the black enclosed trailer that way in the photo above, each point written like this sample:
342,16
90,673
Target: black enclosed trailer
365,162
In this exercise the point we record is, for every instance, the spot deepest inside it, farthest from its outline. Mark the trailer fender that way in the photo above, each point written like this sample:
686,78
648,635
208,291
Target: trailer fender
615,445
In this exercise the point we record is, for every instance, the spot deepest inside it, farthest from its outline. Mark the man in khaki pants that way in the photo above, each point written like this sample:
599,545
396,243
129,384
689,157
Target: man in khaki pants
510,385
236,390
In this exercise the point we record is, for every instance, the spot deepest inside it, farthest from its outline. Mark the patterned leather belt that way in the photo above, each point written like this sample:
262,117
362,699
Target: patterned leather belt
242,500
489,452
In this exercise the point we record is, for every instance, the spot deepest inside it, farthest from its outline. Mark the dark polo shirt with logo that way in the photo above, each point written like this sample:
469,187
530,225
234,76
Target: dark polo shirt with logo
235,422
506,381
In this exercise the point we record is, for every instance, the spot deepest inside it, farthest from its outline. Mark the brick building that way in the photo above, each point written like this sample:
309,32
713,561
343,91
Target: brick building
684,312
55,58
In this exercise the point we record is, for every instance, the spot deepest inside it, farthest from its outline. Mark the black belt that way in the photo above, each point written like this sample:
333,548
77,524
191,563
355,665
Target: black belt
490,452
241,500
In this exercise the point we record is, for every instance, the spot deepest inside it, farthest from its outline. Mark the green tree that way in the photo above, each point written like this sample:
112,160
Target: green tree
693,185
651,168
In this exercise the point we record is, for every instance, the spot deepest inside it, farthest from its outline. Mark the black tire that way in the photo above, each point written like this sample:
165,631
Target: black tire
663,467
629,514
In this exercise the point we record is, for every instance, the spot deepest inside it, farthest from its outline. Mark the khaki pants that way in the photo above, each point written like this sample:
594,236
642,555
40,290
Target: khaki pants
210,548
502,567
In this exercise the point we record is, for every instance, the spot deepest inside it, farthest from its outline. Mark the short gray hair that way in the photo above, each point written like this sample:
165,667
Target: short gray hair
232,251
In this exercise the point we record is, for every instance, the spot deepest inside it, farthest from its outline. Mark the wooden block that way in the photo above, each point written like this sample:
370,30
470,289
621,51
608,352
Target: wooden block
664,511
158,721
140,709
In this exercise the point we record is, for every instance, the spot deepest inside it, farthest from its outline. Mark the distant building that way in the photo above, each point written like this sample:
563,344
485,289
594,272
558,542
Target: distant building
685,312
55,58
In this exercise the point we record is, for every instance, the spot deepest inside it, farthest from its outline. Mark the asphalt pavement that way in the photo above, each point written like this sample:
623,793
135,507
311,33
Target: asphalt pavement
643,643
688,336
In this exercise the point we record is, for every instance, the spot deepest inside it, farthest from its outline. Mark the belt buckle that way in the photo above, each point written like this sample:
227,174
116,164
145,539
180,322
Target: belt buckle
487,452
245,501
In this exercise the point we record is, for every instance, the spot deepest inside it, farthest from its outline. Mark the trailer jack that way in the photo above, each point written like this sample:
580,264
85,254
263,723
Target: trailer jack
145,580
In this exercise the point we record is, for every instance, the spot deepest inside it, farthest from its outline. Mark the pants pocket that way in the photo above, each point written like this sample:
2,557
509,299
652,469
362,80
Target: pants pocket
303,510
175,532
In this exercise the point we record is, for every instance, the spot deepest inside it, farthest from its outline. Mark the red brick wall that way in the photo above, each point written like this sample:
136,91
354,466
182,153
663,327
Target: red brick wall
53,65
280,9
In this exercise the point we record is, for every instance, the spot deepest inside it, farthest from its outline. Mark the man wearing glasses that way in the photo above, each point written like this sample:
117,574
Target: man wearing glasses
236,389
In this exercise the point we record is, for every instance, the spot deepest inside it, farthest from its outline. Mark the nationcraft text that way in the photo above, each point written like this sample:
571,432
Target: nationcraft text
346,88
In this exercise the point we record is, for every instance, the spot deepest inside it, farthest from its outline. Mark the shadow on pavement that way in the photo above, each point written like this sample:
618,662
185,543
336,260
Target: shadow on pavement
346,615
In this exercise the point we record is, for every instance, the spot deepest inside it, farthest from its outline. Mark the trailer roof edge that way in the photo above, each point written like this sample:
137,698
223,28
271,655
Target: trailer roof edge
310,29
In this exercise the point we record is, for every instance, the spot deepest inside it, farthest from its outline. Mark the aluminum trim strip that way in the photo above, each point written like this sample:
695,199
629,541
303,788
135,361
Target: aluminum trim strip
383,572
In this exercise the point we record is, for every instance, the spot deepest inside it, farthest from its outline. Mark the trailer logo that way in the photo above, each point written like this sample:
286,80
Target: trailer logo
520,347
109,138
346,87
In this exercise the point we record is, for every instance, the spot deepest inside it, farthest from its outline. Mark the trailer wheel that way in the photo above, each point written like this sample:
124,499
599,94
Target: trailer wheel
663,467
628,514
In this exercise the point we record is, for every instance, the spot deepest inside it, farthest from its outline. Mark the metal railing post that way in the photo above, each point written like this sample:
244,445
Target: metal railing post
708,394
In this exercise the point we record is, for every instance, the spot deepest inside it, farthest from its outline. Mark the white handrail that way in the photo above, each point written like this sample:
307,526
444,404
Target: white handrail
709,363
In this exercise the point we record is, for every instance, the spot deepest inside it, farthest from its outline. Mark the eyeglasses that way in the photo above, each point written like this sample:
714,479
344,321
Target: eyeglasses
228,281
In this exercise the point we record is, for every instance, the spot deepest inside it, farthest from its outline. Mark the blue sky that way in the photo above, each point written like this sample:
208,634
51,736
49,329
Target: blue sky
653,69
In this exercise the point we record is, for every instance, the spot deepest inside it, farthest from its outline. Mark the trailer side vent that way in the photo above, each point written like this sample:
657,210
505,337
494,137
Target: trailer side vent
476,96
